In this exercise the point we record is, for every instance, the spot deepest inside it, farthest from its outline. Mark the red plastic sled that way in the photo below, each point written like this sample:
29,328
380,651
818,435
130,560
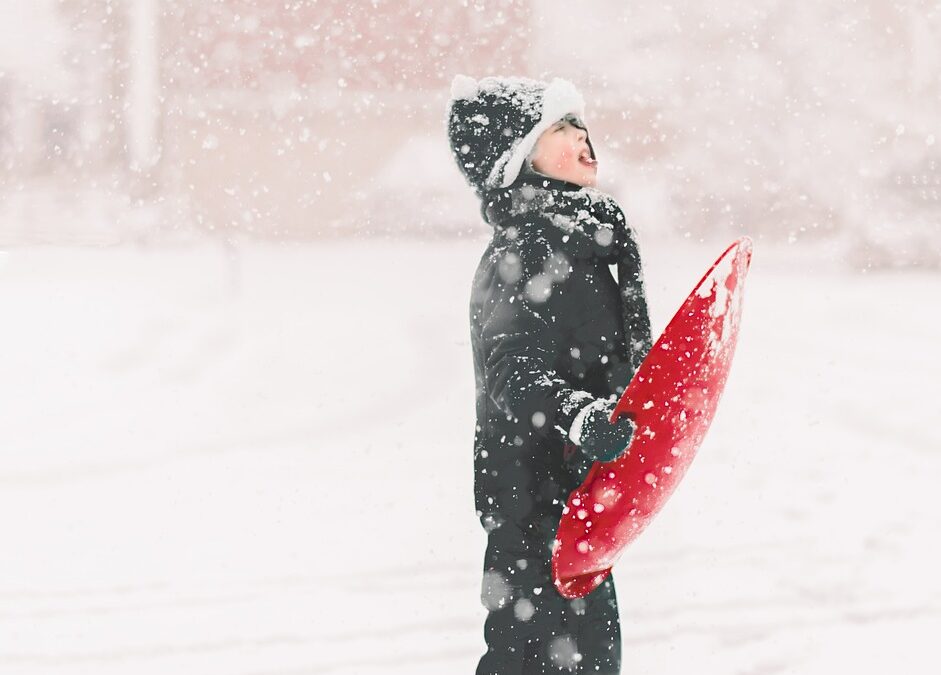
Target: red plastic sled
673,397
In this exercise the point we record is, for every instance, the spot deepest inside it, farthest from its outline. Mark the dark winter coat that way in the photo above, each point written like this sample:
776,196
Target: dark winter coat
551,330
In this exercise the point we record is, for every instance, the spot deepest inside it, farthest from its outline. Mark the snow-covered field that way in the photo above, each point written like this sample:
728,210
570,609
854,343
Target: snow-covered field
261,464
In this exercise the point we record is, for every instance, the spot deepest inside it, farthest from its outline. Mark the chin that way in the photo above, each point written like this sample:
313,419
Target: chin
585,178
587,181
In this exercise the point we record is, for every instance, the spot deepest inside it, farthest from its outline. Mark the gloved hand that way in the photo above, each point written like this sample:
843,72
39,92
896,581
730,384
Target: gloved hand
597,437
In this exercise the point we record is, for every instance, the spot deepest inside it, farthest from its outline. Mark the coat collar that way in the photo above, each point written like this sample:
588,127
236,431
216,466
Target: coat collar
581,221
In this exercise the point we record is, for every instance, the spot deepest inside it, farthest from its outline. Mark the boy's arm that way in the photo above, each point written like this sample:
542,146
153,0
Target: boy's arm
635,314
522,341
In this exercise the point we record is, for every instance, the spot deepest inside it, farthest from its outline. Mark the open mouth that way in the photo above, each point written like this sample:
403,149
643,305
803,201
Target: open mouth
586,160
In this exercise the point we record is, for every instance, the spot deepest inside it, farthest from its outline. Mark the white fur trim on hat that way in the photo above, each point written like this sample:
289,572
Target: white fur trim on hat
559,99
463,86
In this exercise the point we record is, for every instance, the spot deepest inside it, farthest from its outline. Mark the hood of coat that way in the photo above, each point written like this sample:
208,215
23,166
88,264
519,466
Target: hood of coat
581,221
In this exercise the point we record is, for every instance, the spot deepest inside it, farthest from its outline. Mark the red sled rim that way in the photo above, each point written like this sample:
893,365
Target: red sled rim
691,360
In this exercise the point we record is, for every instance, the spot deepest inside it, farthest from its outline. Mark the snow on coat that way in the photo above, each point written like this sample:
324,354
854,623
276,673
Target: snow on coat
551,330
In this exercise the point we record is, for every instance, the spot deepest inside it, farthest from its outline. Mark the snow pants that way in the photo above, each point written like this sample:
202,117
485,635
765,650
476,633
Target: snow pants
532,629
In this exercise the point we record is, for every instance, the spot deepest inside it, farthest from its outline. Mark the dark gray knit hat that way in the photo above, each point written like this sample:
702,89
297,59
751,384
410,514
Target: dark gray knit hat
494,123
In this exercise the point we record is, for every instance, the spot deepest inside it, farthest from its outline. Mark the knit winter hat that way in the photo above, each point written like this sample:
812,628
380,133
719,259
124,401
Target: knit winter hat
494,123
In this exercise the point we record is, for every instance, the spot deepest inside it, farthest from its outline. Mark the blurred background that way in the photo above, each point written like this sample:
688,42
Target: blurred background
165,120
236,386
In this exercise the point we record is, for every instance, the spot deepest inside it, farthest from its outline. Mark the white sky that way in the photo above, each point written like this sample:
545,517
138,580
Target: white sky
31,40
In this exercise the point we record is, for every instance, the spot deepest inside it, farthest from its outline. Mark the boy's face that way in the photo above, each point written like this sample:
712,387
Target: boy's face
561,151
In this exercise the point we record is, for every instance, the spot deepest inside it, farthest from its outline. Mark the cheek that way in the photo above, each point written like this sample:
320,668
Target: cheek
564,153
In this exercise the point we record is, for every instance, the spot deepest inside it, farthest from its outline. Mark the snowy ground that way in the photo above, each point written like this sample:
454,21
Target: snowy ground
262,465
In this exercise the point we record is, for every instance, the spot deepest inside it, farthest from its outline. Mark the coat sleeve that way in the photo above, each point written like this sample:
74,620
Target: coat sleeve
522,340
634,311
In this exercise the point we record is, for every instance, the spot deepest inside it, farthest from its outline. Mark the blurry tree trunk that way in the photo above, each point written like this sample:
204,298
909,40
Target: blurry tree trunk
143,91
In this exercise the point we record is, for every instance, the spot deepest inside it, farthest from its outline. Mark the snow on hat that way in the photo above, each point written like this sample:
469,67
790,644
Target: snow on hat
494,123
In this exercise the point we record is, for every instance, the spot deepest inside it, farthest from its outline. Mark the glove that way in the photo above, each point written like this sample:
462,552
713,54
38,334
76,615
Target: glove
597,437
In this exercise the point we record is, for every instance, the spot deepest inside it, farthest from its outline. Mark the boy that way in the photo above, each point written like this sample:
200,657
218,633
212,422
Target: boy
555,340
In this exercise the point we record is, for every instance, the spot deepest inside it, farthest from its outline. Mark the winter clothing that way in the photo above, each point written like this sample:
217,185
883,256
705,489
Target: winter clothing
598,438
530,628
494,123
552,332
